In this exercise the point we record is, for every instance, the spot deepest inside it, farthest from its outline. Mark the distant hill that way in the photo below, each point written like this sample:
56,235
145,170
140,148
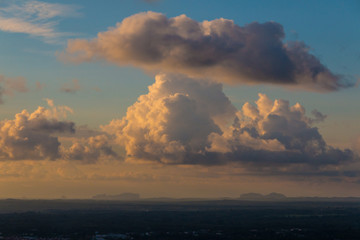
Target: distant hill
122,196
275,196
251,196
261,197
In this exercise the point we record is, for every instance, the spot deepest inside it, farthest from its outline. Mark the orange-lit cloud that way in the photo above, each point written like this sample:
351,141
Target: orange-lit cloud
30,135
184,121
217,49
173,120
90,149
38,135
187,121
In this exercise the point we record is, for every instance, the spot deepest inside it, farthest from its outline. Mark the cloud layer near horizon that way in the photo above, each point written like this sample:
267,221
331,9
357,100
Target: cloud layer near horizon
187,121
217,49
184,121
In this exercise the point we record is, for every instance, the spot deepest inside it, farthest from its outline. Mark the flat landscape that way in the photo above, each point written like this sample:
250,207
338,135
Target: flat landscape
179,219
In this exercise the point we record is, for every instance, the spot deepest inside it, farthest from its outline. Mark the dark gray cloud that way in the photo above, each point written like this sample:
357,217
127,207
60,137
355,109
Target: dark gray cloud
218,49
319,117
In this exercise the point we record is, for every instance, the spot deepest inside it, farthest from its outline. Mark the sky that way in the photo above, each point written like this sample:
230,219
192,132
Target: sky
179,98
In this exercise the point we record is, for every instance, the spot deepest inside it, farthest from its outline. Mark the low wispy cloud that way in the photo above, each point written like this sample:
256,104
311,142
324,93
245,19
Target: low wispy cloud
35,18
10,85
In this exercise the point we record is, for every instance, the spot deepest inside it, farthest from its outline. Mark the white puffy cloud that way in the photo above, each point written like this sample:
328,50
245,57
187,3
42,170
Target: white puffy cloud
217,49
187,121
284,133
45,134
30,135
173,119
89,149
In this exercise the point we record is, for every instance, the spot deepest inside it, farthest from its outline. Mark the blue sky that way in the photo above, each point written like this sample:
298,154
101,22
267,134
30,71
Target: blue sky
329,28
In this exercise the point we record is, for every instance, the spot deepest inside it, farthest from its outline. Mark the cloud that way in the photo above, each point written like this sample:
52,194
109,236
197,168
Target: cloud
319,117
90,149
72,87
36,18
40,86
45,134
187,121
217,49
9,85
30,135
297,141
175,117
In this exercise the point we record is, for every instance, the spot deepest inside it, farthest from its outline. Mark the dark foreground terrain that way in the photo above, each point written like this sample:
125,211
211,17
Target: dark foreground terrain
225,219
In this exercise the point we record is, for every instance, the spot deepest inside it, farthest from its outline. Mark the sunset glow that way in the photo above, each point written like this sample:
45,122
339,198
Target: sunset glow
175,99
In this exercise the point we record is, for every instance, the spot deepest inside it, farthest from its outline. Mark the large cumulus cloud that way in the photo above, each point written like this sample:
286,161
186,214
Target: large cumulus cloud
173,119
187,121
298,141
218,49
